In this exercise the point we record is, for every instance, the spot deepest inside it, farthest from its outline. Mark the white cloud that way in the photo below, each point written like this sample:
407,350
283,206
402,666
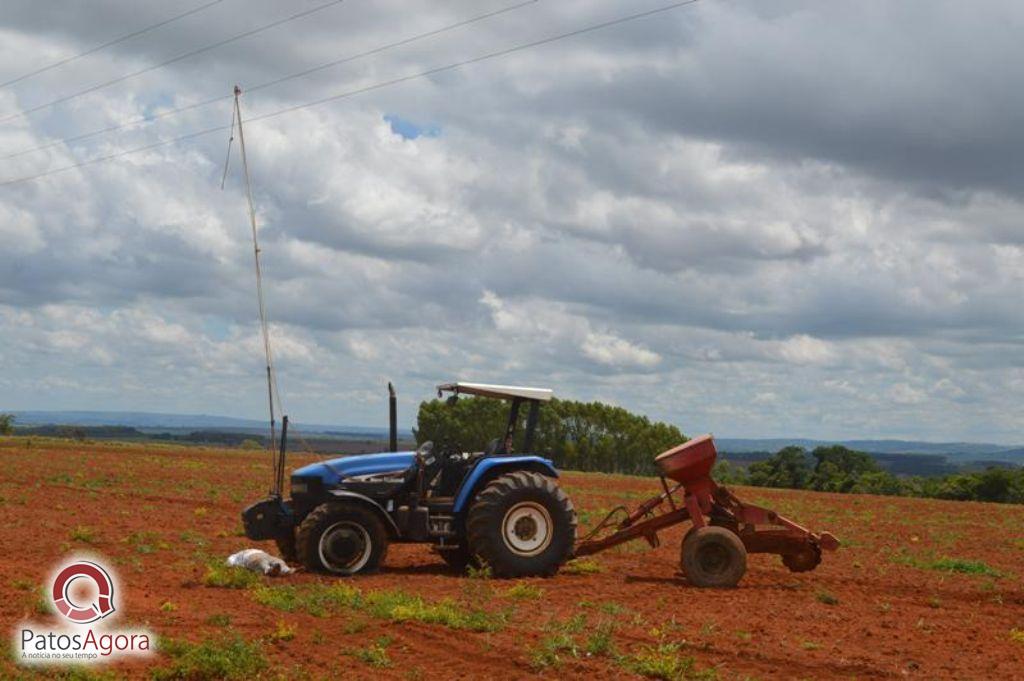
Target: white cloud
554,326
804,349
902,393
731,217
617,352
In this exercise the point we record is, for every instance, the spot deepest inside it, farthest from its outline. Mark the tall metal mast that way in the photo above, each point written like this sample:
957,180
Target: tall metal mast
272,393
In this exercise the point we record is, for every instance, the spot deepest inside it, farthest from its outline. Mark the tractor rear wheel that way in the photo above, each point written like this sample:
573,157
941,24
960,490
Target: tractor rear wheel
522,525
713,557
342,539
286,547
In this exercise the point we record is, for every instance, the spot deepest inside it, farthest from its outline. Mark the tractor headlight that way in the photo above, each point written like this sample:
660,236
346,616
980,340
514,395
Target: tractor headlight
299,488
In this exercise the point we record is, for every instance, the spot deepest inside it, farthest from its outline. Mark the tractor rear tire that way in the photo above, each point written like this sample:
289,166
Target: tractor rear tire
522,525
286,547
341,539
713,557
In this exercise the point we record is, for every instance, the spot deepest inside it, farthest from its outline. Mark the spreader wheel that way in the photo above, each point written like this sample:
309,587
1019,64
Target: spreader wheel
804,561
713,557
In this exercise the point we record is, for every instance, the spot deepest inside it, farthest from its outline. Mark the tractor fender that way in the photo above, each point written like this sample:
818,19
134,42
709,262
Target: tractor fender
490,468
347,495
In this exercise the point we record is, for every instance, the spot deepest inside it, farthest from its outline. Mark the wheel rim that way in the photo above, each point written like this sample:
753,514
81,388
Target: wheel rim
345,547
714,559
527,529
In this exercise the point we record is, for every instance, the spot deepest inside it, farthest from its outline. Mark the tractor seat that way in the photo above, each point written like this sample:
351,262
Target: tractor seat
493,448
431,463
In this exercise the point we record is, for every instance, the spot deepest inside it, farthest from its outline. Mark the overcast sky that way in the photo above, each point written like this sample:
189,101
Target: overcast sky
757,218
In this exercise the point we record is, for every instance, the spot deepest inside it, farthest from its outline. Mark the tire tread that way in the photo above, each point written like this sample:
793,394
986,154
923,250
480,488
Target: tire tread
307,536
483,529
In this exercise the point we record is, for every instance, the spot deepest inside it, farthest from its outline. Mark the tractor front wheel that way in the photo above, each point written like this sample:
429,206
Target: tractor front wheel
342,539
713,557
522,525
286,547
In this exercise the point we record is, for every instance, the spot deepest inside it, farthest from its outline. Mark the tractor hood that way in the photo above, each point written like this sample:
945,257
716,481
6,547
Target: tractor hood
334,471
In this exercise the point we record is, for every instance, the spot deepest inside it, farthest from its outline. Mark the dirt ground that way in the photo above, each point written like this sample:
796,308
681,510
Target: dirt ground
920,588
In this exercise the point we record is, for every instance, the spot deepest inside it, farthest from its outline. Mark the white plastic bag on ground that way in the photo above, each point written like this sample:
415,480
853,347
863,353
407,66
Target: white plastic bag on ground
259,561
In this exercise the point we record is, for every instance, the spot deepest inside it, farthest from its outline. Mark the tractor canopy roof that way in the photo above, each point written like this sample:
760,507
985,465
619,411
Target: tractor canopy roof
502,392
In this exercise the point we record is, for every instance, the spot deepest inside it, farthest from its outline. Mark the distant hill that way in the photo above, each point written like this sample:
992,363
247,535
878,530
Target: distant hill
148,421
899,456
902,457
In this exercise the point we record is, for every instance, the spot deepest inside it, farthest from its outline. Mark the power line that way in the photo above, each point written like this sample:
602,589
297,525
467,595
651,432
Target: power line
276,81
368,88
186,55
110,43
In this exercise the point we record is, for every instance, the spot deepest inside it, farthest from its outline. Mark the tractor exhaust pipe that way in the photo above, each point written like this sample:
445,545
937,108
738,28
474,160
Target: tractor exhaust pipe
392,419
279,464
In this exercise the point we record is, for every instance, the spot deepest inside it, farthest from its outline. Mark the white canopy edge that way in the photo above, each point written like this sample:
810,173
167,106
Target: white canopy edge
504,392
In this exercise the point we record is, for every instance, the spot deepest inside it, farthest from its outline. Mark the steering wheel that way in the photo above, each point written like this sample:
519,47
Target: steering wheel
424,452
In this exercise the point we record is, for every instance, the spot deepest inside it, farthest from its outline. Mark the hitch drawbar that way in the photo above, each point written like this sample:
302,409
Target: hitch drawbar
725,529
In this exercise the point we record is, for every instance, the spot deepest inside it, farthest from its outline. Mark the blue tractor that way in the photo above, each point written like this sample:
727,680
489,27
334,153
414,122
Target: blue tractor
496,508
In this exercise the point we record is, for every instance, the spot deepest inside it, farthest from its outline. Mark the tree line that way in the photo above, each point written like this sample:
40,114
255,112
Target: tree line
591,436
581,436
840,469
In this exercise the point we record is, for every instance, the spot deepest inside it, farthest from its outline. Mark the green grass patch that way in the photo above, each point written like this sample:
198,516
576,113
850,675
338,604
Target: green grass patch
194,538
22,584
665,662
318,600
71,674
230,577
550,649
84,534
42,603
612,608
561,641
393,604
400,606
600,641
523,591
967,567
947,564
284,631
1017,636
582,566
826,598
146,542
224,658
375,654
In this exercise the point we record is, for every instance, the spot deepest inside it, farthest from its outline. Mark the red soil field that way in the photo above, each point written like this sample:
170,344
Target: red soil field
920,588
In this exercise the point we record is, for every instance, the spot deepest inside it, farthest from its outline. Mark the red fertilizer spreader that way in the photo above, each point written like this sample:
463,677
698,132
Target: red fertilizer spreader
725,529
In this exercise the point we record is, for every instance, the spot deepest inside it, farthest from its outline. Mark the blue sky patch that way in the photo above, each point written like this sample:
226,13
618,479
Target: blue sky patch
153,104
410,130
